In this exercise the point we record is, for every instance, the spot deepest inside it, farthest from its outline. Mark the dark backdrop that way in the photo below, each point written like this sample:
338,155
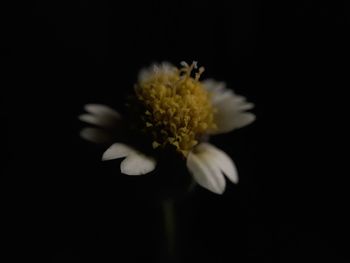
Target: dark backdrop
61,204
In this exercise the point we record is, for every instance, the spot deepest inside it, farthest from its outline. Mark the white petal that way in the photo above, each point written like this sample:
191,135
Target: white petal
117,150
246,106
214,86
221,159
96,135
217,90
154,69
102,110
236,102
228,121
205,172
230,108
244,119
105,121
137,164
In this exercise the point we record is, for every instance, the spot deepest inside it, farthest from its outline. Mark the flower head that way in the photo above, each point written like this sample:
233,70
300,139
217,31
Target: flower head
171,108
178,109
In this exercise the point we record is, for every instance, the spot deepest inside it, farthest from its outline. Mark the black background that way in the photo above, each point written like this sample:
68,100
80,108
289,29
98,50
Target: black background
61,204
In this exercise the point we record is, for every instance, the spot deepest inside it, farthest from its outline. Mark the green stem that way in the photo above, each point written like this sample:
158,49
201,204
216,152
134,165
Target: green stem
169,228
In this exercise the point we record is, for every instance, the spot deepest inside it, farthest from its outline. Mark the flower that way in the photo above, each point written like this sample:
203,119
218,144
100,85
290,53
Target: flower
172,109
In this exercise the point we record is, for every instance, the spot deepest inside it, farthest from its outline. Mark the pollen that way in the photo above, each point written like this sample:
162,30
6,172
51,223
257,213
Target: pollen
177,108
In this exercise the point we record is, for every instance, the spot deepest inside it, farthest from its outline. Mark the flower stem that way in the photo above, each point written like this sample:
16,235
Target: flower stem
169,228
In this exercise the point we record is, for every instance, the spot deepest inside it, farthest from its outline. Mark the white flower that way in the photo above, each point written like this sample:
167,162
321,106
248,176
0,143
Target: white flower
179,111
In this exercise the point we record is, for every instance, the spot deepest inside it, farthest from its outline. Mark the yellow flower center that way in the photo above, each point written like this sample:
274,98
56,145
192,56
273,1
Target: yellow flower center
178,110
